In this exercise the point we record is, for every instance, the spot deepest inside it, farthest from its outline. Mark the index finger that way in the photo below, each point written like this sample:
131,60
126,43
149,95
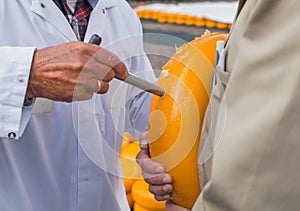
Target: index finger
147,164
144,141
109,59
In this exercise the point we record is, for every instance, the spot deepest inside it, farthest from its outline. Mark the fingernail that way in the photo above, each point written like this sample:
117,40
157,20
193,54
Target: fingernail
159,169
167,196
167,188
143,142
167,180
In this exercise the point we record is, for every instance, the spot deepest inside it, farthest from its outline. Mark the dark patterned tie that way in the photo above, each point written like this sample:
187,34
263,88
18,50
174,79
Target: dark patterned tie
80,18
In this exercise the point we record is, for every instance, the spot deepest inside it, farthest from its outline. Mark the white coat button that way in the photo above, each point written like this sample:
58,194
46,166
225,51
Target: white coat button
21,79
27,102
11,135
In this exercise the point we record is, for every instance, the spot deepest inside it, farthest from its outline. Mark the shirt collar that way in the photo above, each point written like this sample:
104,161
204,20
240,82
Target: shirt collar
106,3
93,3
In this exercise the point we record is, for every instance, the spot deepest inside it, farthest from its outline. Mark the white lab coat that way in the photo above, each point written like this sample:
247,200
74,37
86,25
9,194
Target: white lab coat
65,155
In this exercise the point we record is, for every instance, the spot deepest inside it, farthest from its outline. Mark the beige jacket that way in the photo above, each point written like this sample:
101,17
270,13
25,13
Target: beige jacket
250,147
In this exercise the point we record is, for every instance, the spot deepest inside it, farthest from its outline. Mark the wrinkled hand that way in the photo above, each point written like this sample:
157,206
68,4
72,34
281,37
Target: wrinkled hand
160,182
71,71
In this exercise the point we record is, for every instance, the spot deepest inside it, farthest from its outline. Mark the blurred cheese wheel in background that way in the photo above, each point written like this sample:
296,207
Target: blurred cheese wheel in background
199,21
189,20
130,200
171,17
162,17
210,23
127,138
128,183
175,120
180,19
222,25
138,207
131,170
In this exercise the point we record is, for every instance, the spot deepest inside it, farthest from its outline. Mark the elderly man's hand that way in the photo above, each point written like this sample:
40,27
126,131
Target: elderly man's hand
73,71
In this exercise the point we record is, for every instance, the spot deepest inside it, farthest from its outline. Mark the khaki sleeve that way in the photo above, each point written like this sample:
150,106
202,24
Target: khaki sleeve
255,165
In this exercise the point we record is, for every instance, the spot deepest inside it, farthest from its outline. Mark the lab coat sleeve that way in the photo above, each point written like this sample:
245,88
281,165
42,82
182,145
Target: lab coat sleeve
255,165
138,102
15,63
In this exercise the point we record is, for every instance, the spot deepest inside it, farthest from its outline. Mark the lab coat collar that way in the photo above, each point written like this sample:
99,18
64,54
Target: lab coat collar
106,3
93,2
51,13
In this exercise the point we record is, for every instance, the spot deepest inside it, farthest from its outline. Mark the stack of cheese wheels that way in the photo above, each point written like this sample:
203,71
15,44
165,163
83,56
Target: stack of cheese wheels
127,139
175,120
144,200
131,170
136,188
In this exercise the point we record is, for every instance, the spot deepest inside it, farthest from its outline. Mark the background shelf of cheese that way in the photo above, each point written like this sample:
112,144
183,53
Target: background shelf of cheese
203,14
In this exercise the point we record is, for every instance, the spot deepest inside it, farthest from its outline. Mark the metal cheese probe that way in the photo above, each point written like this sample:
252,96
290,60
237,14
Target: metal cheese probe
133,80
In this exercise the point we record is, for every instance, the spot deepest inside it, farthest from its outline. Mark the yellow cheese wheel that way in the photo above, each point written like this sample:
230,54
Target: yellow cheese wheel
162,17
210,23
128,184
147,14
221,25
180,19
130,150
142,196
175,120
199,21
189,20
130,200
127,138
171,17
139,207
